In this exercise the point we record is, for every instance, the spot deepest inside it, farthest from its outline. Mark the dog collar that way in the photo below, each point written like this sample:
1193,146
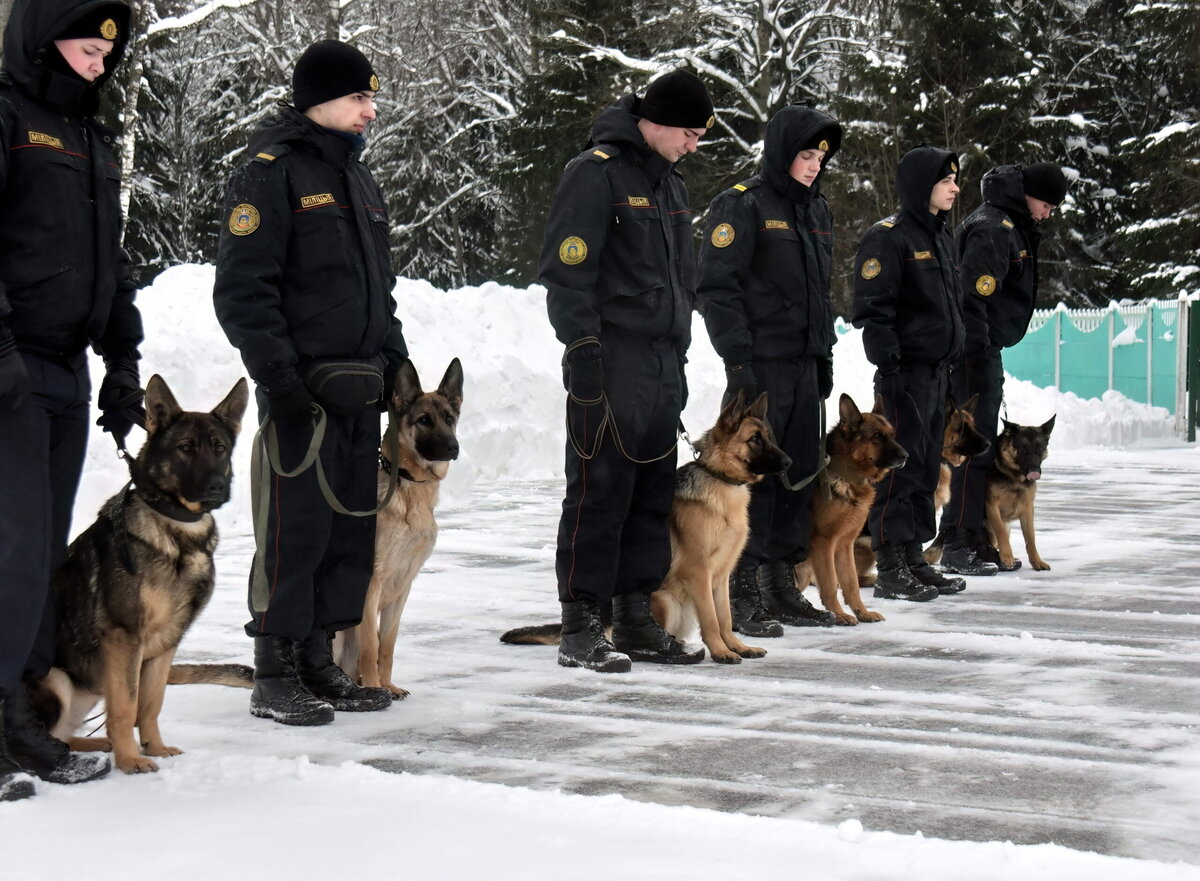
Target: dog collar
717,475
171,510
386,466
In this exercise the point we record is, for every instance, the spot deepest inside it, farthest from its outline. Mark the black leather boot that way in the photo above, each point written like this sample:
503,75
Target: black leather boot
895,581
960,553
750,616
278,692
15,783
329,682
33,748
785,601
638,635
584,642
930,575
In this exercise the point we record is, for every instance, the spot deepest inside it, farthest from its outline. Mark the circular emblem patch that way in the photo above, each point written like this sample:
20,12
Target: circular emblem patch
572,251
986,285
243,220
108,29
871,268
723,236
374,83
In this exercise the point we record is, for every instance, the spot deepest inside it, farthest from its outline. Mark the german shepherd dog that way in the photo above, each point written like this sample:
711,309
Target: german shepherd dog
709,524
405,530
1012,485
135,580
862,449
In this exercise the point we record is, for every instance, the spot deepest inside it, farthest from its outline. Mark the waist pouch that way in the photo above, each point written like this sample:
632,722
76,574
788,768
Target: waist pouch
345,386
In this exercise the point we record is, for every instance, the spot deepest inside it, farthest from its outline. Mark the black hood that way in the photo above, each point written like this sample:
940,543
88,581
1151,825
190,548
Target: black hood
919,170
290,126
618,125
787,133
32,28
1004,187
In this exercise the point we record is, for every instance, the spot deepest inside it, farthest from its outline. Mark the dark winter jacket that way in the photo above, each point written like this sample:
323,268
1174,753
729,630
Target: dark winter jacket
303,263
618,249
997,246
64,279
766,256
906,289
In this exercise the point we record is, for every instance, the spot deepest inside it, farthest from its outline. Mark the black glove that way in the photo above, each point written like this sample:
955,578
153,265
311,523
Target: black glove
14,378
585,374
120,398
825,377
740,378
683,386
290,406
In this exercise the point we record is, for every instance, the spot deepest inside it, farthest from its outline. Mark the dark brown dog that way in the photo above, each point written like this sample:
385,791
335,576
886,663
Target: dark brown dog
1012,485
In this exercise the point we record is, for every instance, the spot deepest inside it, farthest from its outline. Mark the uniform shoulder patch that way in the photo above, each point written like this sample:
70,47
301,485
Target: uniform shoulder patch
871,268
603,152
889,222
244,219
985,285
1006,223
722,235
572,251
750,184
270,154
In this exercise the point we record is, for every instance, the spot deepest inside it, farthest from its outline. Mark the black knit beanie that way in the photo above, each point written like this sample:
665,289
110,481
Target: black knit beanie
677,99
1045,181
827,139
328,70
107,22
949,167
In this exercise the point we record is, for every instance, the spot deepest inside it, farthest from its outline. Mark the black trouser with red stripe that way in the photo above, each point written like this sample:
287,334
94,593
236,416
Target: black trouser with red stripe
903,511
983,376
613,537
316,563
780,519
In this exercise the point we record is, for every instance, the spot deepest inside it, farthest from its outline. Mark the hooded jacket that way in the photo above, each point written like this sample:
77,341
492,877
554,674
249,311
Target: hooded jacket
618,249
906,289
303,261
766,257
998,245
64,279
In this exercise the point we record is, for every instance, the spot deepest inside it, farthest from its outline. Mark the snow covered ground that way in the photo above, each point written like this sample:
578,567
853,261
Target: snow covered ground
1040,725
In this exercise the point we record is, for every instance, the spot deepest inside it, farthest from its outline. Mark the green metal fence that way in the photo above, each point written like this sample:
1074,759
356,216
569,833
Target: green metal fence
1142,351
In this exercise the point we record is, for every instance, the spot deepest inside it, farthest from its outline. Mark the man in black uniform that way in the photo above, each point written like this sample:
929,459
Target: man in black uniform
303,289
64,284
998,246
908,303
764,291
618,265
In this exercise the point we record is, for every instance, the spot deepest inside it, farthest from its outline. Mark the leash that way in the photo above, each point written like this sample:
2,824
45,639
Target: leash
796,487
609,422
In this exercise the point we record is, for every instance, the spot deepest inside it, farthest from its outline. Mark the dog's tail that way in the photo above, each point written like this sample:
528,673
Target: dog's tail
933,553
233,675
537,634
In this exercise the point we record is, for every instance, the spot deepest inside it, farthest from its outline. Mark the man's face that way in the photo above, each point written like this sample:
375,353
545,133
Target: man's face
806,166
944,193
670,142
349,113
85,55
1038,209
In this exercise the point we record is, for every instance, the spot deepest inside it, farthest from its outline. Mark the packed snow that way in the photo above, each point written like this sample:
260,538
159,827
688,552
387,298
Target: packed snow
503,765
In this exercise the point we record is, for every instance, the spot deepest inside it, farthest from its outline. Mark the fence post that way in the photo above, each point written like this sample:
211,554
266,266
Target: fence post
1058,314
1110,320
1193,369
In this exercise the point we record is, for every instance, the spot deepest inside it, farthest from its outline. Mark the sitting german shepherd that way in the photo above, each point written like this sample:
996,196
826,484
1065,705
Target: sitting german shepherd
709,523
862,449
1011,487
405,530
135,580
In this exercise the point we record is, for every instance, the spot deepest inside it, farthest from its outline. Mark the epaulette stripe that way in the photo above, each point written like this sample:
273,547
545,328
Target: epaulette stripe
739,188
601,154
265,156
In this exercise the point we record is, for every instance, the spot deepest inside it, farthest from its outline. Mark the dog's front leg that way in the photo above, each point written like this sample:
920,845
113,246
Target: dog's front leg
122,653
720,595
389,626
699,590
151,691
821,555
999,534
368,638
847,573
1035,559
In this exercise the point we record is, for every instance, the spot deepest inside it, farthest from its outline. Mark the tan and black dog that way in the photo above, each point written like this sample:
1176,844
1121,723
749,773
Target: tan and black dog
862,449
709,524
426,442
135,580
960,441
1011,488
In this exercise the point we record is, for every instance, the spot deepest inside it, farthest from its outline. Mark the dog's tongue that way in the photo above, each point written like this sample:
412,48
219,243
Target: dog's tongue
1033,475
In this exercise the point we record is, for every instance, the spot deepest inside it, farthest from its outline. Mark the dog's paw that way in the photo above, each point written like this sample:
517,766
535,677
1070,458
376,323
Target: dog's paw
750,651
726,657
1038,564
866,616
136,764
845,619
160,750
398,693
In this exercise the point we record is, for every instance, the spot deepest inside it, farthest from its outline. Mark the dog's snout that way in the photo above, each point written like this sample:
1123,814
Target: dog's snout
785,462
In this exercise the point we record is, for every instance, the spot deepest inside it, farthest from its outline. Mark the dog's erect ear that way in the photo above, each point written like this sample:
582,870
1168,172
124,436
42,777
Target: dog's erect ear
731,413
231,410
971,404
407,387
878,408
759,408
161,407
451,386
848,411
1009,427
1048,427
951,406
